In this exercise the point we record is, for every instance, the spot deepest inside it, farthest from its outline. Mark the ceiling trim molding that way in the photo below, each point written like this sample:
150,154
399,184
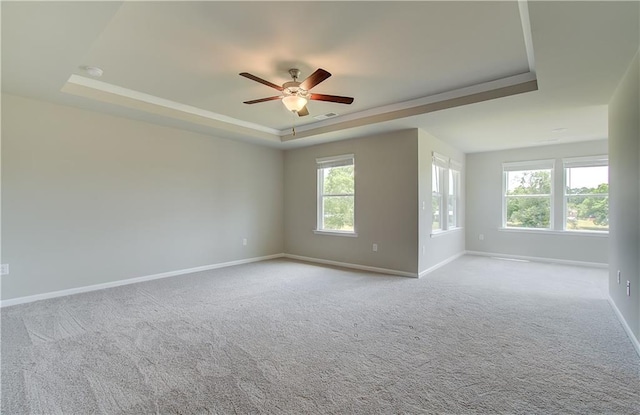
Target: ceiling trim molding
131,94
523,7
113,94
499,88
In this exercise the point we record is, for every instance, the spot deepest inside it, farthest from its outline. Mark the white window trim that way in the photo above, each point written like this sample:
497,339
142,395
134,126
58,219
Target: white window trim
573,162
449,231
588,161
322,163
555,232
336,233
548,164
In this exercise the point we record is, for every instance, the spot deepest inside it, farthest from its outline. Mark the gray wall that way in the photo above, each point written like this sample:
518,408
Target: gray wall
624,171
484,208
435,250
89,198
386,202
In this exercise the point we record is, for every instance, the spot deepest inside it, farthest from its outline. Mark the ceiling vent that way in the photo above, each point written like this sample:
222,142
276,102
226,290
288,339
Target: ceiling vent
325,116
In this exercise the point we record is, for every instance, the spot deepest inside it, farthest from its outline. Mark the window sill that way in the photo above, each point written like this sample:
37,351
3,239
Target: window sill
597,234
336,233
435,234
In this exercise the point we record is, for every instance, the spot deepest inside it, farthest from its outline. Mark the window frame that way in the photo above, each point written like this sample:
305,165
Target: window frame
322,164
455,173
439,173
578,162
447,166
532,165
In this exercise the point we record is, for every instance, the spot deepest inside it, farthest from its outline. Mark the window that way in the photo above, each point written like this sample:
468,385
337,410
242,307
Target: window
586,194
336,194
438,167
527,194
445,193
454,195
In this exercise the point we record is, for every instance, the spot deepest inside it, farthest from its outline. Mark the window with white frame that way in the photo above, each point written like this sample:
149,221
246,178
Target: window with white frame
527,196
445,193
586,194
336,194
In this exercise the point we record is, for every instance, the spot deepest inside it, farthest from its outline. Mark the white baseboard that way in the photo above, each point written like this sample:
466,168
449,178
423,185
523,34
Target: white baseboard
352,266
632,337
441,264
78,290
540,259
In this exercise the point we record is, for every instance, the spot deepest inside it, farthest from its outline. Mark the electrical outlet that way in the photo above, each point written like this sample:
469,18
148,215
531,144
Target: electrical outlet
628,288
481,237
375,247
4,269
244,241
618,276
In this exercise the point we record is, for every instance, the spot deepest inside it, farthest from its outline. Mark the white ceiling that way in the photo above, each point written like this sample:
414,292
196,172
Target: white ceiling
177,64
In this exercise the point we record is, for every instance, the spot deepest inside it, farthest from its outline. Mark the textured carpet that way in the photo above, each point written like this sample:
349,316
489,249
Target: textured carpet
479,335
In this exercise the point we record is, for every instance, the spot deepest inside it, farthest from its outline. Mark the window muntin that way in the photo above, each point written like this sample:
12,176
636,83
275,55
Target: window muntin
586,194
336,194
527,195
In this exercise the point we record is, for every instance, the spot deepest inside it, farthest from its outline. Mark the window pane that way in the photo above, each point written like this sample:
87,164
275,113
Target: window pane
436,202
587,213
528,212
587,180
337,213
338,180
452,200
452,212
435,179
529,182
437,190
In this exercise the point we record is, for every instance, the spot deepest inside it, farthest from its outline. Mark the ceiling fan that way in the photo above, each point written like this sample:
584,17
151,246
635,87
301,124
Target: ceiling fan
295,95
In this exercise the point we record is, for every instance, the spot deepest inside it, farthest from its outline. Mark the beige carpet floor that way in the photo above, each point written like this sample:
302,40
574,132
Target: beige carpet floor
479,335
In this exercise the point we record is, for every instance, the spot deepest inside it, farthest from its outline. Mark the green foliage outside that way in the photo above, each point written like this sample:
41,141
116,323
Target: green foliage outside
585,209
530,211
338,202
588,212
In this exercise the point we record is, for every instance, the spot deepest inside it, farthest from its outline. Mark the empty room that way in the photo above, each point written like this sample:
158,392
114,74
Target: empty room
326,207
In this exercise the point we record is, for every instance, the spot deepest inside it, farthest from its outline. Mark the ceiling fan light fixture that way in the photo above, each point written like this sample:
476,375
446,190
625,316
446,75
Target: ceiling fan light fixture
294,103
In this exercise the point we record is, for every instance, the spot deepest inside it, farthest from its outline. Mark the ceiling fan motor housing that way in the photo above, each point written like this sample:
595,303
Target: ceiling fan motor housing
293,88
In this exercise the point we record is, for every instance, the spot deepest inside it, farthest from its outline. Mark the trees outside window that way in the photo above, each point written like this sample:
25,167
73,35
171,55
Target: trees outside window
529,200
336,194
586,194
527,197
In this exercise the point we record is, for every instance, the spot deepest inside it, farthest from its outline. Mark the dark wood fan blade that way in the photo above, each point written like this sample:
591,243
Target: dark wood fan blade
262,81
332,98
304,111
314,79
255,101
